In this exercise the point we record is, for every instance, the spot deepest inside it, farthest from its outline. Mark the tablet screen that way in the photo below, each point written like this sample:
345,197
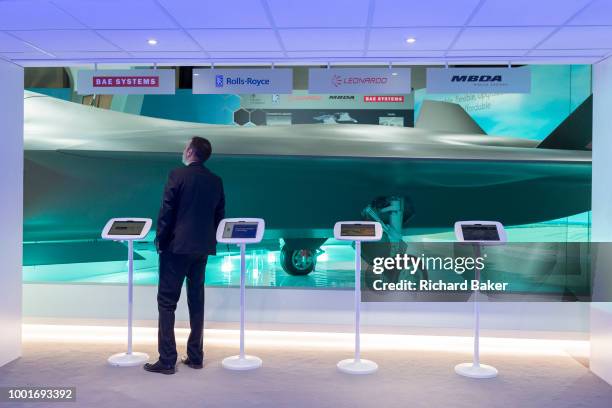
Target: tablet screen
240,230
480,232
126,228
358,230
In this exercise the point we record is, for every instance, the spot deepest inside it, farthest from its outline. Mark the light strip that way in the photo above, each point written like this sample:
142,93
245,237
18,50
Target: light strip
268,339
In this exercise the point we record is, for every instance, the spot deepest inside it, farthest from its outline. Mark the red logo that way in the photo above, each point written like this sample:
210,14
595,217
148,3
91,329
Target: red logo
383,98
126,81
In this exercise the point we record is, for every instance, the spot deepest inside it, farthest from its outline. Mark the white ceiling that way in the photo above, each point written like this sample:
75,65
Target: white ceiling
61,32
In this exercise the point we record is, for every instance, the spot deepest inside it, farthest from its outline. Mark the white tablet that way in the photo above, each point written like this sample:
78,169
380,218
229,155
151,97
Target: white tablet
241,230
126,229
480,232
358,231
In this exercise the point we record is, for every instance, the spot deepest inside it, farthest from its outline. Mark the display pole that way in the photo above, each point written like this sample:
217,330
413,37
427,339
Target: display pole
242,295
130,293
242,361
129,358
475,369
357,301
356,365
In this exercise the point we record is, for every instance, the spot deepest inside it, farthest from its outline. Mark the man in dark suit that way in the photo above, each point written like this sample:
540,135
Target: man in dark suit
192,207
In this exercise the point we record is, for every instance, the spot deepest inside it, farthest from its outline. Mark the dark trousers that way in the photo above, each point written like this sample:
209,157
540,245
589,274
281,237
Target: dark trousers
173,269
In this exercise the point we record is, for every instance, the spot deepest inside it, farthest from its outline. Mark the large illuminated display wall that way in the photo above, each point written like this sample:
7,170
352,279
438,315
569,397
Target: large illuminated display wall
72,187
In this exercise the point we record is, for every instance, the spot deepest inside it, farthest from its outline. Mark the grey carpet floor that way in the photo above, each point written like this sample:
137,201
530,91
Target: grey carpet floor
307,378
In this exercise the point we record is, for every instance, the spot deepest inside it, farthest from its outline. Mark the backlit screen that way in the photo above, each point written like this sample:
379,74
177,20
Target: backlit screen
358,230
240,230
480,232
126,228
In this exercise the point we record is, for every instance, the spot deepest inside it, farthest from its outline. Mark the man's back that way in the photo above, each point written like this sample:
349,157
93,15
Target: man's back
192,207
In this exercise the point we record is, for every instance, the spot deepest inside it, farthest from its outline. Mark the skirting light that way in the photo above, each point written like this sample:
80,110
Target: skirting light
152,41
410,40
271,339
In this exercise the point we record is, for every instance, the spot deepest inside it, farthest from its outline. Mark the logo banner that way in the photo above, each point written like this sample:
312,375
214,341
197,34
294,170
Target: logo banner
479,80
377,81
127,81
243,81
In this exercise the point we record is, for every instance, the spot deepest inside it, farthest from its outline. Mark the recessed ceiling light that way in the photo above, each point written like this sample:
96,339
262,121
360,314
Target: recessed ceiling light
394,73
152,41
410,40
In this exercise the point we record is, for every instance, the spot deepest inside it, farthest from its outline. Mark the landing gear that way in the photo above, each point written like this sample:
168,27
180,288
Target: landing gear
298,257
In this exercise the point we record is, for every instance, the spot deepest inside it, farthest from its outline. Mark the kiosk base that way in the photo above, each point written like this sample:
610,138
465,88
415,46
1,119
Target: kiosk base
128,360
237,363
476,371
352,366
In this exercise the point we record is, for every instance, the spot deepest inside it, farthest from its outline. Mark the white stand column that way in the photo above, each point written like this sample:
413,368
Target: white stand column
475,369
129,358
242,361
357,365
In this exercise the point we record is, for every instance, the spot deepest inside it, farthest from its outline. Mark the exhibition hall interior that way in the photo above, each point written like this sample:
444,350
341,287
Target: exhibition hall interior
306,203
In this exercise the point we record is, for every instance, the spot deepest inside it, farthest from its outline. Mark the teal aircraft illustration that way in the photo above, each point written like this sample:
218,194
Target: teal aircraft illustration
84,165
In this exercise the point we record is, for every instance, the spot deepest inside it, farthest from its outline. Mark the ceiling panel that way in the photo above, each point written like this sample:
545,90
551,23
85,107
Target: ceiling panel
91,55
266,55
319,13
426,38
404,13
580,37
487,53
11,44
526,12
66,40
501,38
136,40
597,13
237,40
117,14
217,13
32,55
24,15
323,39
324,54
169,54
413,53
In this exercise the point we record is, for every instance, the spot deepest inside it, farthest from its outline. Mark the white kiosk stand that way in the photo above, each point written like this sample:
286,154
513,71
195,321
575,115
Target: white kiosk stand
479,234
358,231
128,229
241,231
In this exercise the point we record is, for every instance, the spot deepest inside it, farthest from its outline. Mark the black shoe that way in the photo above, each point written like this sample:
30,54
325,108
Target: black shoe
160,368
189,363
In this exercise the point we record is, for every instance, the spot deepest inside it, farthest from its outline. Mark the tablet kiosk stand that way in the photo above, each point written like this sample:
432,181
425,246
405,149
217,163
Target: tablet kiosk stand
475,369
357,365
242,361
129,358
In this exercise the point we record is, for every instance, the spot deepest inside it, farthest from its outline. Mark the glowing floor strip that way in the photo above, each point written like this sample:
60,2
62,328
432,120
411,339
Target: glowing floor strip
264,339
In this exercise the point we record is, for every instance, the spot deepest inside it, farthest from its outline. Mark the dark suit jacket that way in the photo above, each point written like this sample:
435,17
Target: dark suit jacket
192,207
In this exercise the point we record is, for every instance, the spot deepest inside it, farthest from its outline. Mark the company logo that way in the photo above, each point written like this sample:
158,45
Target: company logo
343,97
125,81
476,78
218,81
383,98
338,80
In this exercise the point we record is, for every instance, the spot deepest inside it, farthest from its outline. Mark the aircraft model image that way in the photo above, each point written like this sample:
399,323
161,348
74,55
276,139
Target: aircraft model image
84,165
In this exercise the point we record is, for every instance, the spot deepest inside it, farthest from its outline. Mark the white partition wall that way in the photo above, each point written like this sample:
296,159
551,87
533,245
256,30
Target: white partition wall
11,208
601,313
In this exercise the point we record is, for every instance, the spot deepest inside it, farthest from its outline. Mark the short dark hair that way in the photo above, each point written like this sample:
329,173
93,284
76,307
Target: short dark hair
201,148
